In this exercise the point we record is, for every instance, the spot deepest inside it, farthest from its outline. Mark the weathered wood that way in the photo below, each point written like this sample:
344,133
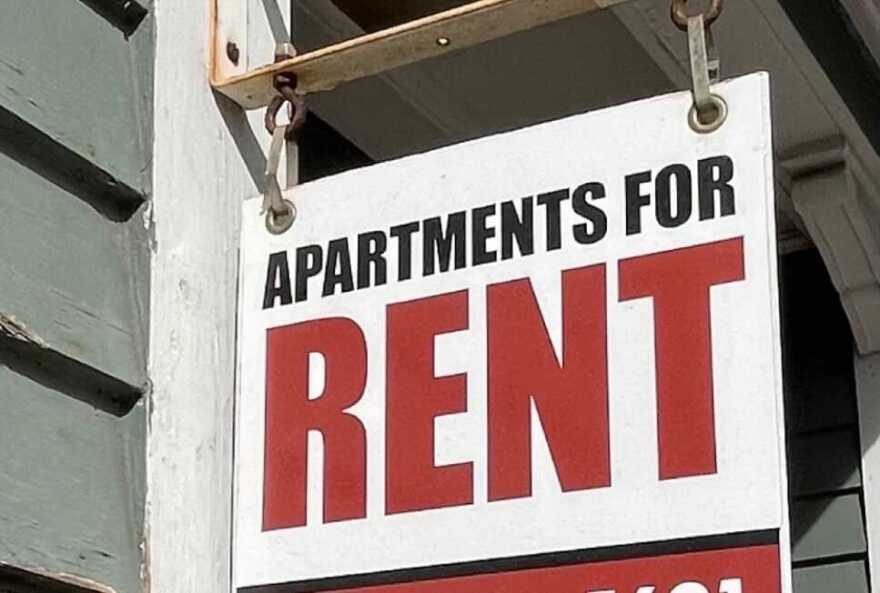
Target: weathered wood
76,174
827,528
824,462
71,288
70,487
847,577
194,278
74,76
435,35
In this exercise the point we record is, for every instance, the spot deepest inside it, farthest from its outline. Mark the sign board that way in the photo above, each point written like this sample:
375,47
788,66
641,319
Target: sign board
544,360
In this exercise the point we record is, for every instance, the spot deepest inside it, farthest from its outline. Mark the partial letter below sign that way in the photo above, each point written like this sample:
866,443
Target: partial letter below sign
547,360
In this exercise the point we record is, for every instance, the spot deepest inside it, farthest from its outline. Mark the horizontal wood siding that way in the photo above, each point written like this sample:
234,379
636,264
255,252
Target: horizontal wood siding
825,462
70,480
73,75
829,547
70,277
75,141
845,577
828,527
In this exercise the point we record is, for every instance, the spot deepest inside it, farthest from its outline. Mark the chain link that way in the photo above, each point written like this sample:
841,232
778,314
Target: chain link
280,213
680,14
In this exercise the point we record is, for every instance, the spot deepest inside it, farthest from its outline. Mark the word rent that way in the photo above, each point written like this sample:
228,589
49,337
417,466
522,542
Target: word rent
569,389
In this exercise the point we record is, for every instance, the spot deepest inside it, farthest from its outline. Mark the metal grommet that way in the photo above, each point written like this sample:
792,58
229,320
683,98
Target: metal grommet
716,117
680,14
278,224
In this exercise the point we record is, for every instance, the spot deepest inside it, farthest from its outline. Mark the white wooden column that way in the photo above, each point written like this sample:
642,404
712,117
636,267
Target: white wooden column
867,370
206,157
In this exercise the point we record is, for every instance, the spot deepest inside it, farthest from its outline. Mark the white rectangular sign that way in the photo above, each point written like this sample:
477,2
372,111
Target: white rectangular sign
559,338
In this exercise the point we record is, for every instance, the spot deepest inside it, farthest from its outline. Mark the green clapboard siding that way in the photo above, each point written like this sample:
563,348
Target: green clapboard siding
75,145
71,277
825,462
71,482
848,577
827,527
75,77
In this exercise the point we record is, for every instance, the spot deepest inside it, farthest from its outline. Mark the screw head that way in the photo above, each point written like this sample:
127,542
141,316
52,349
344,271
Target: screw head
232,52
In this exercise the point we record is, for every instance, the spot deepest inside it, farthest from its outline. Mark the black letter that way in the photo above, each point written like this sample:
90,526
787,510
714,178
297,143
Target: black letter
277,281
709,185
403,233
433,239
481,234
635,201
305,270
583,208
521,228
552,201
683,196
339,257
371,252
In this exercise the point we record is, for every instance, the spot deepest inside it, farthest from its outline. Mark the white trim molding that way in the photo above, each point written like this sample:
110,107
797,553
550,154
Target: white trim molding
867,370
207,154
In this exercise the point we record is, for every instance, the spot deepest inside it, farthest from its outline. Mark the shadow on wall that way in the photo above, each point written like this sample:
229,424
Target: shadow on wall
820,401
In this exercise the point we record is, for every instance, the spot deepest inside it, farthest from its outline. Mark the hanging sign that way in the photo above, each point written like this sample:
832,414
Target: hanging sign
555,349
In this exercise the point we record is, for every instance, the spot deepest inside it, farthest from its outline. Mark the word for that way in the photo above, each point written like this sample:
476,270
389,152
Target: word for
570,393
497,232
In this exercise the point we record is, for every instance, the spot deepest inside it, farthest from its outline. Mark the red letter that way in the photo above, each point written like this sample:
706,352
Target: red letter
679,282
290,415
571,398
415,397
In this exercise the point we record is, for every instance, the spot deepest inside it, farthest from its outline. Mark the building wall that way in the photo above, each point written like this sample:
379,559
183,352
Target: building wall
75,136
75,121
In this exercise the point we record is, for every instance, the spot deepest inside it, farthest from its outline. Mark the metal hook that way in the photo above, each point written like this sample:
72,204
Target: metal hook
285,84
709,110
281,213
680,15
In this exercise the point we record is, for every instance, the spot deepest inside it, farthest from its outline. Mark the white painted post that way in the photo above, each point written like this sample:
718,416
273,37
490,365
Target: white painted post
868,391
207,154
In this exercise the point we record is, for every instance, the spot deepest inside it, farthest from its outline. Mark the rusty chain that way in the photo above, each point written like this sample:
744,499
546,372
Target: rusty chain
285,83
680,14
280,212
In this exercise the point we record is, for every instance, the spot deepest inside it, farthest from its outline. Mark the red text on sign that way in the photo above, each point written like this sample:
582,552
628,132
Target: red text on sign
569,392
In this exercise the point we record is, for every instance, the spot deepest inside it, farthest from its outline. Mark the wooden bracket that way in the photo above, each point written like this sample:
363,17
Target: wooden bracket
435,35
830,191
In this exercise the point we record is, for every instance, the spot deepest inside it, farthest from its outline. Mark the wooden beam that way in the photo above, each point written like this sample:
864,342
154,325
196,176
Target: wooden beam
435,35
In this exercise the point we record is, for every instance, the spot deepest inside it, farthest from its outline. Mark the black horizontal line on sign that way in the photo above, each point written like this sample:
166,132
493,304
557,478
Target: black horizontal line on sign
553,559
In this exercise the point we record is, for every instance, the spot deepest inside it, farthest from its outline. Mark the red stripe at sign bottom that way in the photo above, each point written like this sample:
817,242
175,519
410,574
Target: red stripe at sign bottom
740,570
